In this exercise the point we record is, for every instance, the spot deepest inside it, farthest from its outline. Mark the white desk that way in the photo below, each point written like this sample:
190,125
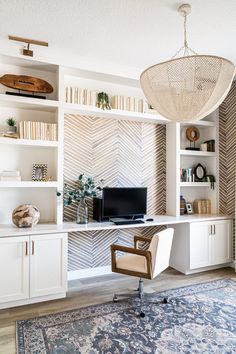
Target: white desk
50,245
158,220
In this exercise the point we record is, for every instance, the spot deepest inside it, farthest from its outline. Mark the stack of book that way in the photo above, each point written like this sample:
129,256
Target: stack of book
81,96
37,130
10,176
202,206
132,104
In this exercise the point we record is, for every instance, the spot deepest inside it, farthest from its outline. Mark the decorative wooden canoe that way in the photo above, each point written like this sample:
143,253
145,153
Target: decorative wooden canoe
26,83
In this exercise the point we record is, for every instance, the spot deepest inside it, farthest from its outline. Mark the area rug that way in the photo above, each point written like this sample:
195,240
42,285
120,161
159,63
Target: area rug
199,318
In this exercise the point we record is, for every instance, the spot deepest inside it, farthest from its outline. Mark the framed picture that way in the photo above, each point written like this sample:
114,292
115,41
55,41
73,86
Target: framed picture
39,172
189,208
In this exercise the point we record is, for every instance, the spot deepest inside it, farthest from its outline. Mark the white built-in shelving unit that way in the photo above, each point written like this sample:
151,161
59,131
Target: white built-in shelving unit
178,157
21,154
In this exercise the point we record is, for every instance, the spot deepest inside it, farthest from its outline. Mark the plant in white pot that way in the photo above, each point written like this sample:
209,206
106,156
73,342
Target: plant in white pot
11,126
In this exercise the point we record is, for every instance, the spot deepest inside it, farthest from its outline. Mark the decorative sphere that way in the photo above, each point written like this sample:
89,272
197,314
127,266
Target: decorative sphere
25,215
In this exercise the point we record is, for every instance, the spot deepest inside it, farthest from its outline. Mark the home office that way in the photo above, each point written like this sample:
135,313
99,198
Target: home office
174,170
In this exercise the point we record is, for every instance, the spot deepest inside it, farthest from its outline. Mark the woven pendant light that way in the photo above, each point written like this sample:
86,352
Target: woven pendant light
189,87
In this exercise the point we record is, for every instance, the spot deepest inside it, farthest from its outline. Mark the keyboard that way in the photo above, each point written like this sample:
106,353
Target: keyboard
128,222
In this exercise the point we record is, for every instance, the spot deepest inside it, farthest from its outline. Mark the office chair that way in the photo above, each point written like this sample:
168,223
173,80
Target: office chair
143,264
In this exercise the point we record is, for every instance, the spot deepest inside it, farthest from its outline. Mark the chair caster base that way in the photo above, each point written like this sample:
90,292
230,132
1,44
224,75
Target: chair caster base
115,298
142,314
165,301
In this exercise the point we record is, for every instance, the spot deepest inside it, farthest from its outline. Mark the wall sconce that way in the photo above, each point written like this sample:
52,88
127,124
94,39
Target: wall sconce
27,51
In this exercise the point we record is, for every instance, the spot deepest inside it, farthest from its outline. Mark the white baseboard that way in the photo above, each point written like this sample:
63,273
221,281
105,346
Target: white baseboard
88,272
93,272
233,265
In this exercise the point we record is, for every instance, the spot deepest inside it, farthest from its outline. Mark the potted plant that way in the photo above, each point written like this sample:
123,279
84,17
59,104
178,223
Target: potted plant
11,129
103,101
86,188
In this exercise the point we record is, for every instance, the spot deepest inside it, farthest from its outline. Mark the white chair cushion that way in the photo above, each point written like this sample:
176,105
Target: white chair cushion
132,262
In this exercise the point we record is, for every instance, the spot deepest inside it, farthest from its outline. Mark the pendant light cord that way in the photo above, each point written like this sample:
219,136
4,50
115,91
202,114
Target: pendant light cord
185,48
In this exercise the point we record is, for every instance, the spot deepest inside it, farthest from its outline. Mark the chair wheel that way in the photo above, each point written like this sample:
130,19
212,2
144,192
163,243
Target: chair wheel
115,298
142,314
165,301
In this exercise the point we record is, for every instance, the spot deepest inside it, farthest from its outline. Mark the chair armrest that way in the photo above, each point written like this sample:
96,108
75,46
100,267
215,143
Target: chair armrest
142,239
115,248
146,254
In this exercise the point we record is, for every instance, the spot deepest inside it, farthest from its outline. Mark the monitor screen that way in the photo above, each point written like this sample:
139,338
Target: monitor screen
127,201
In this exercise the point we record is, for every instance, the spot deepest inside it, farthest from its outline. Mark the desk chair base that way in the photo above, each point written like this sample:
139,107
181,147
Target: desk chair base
137,293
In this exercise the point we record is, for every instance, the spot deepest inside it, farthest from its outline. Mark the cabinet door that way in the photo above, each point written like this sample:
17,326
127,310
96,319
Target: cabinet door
48,264
199,244
14,268
221,242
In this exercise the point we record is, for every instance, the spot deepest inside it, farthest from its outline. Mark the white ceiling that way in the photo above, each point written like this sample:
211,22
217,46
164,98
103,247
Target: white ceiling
133,33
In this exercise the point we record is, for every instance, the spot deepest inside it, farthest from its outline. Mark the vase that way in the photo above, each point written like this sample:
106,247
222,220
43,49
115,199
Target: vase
82,212
11,129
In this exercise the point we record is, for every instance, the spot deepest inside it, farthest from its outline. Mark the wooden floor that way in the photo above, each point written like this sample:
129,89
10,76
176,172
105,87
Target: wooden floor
94,291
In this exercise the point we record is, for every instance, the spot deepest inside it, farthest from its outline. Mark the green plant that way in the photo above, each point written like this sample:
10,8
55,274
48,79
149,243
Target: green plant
11,122
86,188
103,101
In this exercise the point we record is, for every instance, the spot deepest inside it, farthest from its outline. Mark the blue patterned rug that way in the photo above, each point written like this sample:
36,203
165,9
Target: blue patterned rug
198,319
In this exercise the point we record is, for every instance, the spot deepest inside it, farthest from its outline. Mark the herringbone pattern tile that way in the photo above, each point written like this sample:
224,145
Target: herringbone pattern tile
123,153
227,152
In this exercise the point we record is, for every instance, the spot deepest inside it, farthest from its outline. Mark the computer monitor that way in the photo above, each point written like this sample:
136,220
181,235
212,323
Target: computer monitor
124,201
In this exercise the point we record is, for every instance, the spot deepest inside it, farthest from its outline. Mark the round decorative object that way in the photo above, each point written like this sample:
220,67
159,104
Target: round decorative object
25,215
200,172
192,133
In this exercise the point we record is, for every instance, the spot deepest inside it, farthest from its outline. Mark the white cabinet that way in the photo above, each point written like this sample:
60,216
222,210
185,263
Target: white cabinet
201,245
48,264
14,269
33,268
221,242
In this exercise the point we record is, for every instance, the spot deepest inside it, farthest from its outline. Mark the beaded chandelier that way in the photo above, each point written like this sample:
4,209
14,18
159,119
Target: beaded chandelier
189,87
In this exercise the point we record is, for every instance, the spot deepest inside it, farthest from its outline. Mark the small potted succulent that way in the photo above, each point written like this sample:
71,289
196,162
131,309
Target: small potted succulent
11,126
86,188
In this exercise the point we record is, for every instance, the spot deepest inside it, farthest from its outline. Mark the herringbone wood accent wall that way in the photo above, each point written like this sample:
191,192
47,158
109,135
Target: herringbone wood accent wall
123,153
227,154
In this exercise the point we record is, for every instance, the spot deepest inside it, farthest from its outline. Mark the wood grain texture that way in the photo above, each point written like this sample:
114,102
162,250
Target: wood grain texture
26,83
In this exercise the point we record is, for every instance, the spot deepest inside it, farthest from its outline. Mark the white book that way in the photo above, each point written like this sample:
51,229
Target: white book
72,95
93,98
113,102
136,104
81,96
145,106
66,94
10,173
16,178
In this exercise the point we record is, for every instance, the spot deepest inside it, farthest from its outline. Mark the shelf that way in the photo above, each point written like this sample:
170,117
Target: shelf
200,123
197,153
195,184
28,142
28,184
113,113
28,103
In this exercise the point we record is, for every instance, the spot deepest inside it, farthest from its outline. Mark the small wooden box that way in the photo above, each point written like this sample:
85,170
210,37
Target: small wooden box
202,206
